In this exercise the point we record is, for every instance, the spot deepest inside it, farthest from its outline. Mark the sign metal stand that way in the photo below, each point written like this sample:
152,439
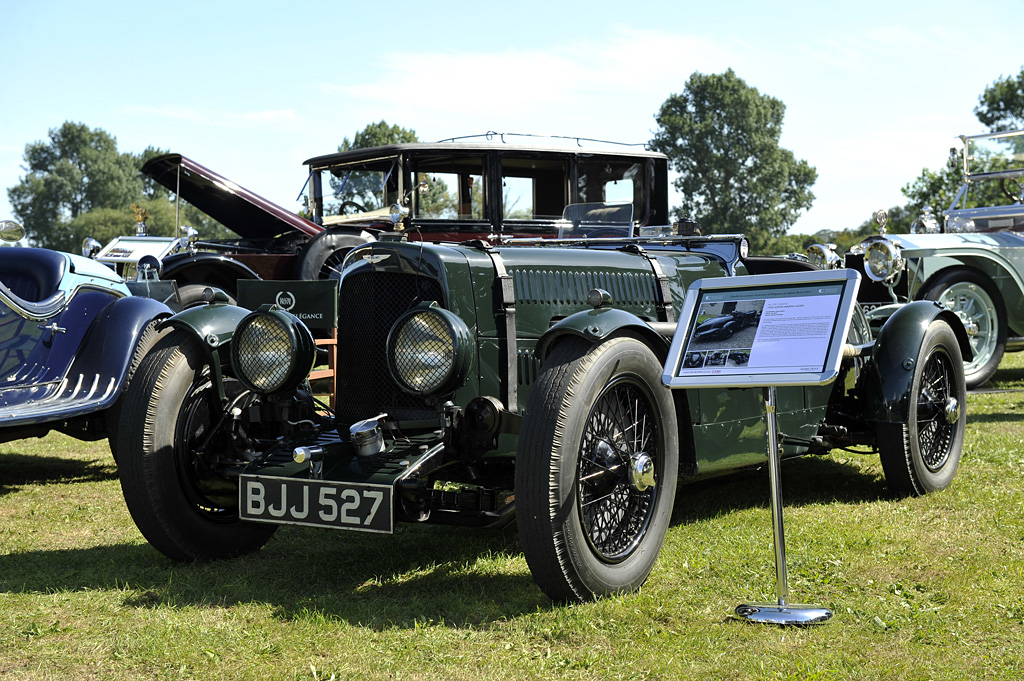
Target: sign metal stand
820,303
780,612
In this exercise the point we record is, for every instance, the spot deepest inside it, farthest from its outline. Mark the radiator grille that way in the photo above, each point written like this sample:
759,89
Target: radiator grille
370,304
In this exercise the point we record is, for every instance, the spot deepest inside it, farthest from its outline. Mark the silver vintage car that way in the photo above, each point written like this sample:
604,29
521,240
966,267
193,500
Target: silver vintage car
970,257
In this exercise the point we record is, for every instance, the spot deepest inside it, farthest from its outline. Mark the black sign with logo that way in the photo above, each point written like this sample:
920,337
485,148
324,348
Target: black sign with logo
314,302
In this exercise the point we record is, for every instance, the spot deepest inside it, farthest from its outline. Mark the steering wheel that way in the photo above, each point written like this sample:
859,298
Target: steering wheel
1012,188
350,204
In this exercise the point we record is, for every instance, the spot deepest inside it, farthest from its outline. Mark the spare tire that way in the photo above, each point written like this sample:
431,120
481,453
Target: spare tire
322,256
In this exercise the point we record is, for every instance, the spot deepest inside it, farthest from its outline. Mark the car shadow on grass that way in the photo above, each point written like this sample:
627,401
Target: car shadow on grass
20,470
421,575
805,481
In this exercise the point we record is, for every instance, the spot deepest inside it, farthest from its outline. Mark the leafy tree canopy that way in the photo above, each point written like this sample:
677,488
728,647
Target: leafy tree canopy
1000,108
77,170
722,137
1001,105
78,185
103,224
378,135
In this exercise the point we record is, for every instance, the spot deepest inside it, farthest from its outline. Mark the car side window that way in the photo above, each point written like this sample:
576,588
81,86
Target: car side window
450,188
533,188
610,180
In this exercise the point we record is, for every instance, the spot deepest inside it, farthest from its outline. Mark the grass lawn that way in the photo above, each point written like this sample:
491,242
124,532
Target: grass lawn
923,588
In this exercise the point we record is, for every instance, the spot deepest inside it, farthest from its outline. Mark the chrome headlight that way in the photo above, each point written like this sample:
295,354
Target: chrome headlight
272,351
926,224
90,247
957,224
823,255
429,350
882,261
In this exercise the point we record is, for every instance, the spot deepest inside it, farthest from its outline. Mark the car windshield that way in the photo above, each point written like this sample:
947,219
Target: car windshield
352,189
993,153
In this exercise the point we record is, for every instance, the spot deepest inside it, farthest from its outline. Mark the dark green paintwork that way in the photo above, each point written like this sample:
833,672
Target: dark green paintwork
213,324
726,428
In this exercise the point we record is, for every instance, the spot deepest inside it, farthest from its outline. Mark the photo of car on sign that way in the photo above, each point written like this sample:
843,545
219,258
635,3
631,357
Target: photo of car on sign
727,325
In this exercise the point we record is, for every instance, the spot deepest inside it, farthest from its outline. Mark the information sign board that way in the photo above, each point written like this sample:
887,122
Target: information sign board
762,330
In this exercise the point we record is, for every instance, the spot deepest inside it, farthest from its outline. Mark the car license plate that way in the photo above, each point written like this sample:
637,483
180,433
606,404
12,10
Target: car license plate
320,503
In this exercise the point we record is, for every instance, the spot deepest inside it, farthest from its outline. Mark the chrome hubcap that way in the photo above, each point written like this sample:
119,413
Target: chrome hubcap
641,472
952,410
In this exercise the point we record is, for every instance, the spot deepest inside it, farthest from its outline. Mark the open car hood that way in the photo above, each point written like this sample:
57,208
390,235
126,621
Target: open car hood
248,215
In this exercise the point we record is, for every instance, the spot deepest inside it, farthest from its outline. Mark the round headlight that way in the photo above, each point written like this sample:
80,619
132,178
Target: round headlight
959,224
926,224
272,351
882,261
429,351
822,255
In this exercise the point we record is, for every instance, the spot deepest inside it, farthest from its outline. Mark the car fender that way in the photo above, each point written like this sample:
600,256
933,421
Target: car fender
206,268
896,350
595,326
602,323
107,349
212,325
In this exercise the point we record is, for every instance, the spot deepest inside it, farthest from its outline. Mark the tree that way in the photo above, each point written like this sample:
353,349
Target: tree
722,137
79,169
1001,105
378,135
937,188
103,224
365,188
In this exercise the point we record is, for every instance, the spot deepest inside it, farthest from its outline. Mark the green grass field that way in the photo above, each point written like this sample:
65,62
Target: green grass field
924,588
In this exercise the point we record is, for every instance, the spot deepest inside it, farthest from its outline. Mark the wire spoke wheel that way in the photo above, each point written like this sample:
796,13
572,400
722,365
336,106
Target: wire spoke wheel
621,429
174,449
971,303
974,298
210,493
935,432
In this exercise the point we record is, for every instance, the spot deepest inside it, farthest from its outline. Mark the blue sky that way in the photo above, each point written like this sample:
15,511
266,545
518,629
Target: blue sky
875,91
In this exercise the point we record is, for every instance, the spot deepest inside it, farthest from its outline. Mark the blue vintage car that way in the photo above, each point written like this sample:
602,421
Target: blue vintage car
71,334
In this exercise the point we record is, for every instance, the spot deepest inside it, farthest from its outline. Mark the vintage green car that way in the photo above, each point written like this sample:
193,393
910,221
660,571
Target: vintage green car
485,384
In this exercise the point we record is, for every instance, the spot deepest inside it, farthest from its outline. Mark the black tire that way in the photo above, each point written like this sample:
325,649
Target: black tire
586,529
922,455
973,296
112,418
322,257
179,502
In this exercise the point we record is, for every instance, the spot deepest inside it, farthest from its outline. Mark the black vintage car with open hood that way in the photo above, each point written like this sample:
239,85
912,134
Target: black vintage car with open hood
430,192
484,384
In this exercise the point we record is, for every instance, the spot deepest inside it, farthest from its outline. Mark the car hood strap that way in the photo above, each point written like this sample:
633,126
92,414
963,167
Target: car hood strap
664,290
508,306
